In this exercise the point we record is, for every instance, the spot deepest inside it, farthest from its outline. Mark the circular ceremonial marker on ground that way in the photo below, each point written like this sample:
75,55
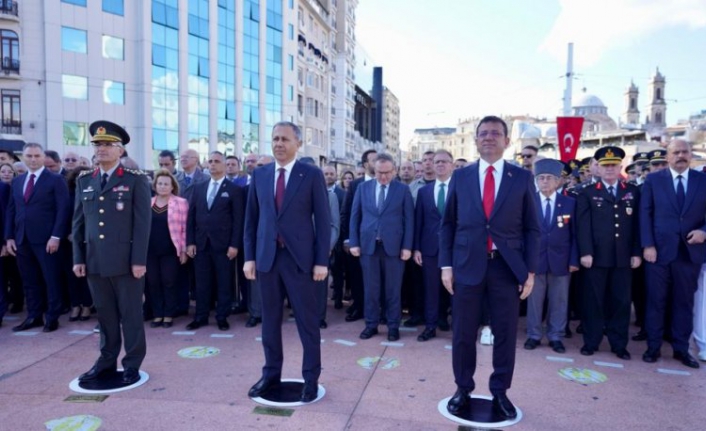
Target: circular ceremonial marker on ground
583,375
480,415
198,352
74,423
287,394
109,385
369,362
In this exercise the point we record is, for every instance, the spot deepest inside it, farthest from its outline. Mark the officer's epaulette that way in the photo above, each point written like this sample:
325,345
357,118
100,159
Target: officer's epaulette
135,171
84,173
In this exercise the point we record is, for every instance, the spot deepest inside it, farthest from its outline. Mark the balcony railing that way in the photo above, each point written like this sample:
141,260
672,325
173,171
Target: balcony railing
8,7
11,127
10,65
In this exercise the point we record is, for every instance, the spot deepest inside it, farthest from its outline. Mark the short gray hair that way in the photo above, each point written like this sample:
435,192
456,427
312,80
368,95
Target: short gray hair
384,157
294,127
32,145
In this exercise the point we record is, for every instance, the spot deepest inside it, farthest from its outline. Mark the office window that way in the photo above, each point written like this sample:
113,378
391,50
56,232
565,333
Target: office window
290,93
290,59
74,40
115,7
11,111
75,133
74,87
290,31
76,2
113,47
113,92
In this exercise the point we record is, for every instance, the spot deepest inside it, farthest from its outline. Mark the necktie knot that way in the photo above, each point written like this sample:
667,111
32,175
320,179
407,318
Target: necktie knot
104,180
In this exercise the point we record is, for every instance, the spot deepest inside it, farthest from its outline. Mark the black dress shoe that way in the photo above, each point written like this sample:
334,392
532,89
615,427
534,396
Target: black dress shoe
622,354
640,336
263,386
223,325
587,351
338,304
579,329
95,374
75,314
686,359
368,332
443,325
413,322
196,324
310,391
16,308
427,335
557,346
130,376
459,403
51,326
252,322
323,324
350,309
29,324
503,407
354,315
167,324
156,324
567,332
532,344
651,356
393,334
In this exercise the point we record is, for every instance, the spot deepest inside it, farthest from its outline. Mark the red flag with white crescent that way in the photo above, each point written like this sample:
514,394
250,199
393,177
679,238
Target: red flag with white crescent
568,134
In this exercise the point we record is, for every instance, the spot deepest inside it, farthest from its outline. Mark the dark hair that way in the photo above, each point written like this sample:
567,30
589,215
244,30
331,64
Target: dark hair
492,119
167,153
461,159
308,160
364,157
531,147
427,152
53,155
231,157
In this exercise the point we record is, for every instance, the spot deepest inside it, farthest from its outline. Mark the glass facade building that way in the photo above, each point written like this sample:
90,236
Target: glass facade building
165,73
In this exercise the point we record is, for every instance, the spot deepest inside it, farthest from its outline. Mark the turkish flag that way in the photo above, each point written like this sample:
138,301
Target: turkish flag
568,134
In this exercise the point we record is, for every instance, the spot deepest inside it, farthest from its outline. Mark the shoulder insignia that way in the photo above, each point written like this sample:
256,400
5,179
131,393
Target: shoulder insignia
135,171
84,173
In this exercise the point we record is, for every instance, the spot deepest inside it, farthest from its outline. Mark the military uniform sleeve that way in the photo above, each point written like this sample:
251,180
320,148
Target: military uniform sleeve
142,220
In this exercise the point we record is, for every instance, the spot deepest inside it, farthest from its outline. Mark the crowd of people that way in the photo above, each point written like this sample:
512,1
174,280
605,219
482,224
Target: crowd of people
450,244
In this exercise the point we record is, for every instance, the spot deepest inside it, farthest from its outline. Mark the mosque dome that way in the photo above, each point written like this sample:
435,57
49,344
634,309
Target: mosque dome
588,101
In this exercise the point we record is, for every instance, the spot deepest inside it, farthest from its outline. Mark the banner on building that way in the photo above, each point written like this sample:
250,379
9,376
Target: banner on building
568,134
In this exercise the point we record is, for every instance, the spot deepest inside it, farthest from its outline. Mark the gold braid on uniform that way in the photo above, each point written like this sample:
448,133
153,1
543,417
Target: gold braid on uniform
135,171
84,173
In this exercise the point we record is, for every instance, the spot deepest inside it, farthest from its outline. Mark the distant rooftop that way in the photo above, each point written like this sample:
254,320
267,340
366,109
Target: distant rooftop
437,131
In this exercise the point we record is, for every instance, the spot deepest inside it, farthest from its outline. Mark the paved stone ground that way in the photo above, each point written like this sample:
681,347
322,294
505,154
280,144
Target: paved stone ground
400,391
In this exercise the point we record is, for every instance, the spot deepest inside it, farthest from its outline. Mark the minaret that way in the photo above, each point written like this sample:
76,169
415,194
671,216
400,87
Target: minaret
657,108
631,114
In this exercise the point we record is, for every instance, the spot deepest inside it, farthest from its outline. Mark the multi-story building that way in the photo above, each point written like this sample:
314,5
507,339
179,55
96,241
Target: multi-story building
11,83
391,124
342,135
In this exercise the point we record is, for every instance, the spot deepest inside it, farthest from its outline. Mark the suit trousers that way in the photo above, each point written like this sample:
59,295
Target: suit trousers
254,298
382,273
639,295
322,298
338,267
500,287
42,279
675,283
354,281
606,305
286,278
700,312
556,289
435,295
118,301
12,275
213,268
414,290
3,294
161,279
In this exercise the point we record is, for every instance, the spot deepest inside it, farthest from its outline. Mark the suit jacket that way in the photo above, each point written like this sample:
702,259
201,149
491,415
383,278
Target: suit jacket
608,226
394,225
47,212
239,180
111,226
558,248
662,225
5,192
305,196
340,195
427,222
177,212
185,191
220,226
348,206
335,218
513,225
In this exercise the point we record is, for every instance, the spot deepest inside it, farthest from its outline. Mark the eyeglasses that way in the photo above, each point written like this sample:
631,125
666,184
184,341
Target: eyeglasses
491,133
70,160
527,156
105,144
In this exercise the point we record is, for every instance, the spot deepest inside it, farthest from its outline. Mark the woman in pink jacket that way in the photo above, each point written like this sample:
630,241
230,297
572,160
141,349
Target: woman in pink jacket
167,247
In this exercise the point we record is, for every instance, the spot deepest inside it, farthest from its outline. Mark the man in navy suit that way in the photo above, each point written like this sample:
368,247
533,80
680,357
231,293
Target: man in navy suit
673,232
558,257
382,233
337,258
488,246
213,234
430,207
287,243
5,192
37,218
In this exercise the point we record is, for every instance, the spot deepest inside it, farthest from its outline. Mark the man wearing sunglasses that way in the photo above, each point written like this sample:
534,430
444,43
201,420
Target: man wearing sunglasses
529,156
71,160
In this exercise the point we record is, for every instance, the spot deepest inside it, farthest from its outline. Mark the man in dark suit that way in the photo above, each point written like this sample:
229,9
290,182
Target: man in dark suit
488,246
609,248
381,233
354,273
190,174
111,230
338,256
673,233
287,242
558,257
5,192
430,207
37,218
213,235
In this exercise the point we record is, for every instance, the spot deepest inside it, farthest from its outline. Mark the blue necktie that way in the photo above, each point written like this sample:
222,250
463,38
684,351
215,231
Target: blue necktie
548,214
680,192
381,198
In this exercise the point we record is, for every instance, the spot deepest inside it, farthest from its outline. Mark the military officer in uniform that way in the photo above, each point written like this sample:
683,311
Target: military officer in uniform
111,228
609,247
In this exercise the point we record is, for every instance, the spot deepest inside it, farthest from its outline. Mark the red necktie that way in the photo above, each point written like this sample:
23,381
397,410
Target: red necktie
489,198
279,190
29,188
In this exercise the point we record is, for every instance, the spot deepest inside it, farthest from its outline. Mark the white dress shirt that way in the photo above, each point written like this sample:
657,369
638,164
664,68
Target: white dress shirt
497,174
287,171
684,178
36,174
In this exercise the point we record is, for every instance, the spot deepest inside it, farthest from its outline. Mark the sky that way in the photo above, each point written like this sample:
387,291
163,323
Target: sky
447,60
